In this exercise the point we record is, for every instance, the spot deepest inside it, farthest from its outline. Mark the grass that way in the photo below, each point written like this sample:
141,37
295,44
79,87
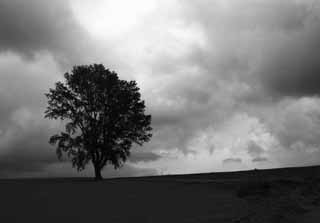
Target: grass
278,195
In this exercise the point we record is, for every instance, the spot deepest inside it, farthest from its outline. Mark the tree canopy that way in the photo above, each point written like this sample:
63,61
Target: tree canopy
103,115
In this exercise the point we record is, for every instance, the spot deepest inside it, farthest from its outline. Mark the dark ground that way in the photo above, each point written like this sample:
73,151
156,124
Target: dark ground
278,195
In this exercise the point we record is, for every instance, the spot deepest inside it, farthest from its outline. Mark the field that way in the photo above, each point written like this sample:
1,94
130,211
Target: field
277,195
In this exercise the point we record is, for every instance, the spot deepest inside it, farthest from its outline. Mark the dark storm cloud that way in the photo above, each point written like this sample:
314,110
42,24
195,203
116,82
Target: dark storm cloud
293,69
250,48
38,39
29,27
246,53
23,83
250,14
227,67
282,35
239,28
26,151
23,132
26,26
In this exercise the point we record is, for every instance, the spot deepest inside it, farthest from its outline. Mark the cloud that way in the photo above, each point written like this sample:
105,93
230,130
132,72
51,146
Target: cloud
260,159
36,25
232,69
129,170
39,41
25,149
256,152
292,68
33,27
136,157
231,160
268,45
222,80
23,83
24,134
254,149
296,121
25,152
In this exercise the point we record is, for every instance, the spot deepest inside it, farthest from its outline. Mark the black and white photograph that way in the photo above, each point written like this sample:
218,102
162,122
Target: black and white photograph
160,111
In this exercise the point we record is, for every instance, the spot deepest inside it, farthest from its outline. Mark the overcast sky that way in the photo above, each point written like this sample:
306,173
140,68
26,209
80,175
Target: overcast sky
230,84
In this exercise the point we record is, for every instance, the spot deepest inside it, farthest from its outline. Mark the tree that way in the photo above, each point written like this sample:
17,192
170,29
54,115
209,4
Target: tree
103,115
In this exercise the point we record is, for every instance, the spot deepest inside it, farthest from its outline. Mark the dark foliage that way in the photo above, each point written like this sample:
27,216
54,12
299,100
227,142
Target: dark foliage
104,116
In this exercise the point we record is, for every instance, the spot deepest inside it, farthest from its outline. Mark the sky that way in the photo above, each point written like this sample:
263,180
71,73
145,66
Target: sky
231,85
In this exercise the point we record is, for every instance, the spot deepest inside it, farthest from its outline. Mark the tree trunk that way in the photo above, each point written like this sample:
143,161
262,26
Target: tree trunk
97,172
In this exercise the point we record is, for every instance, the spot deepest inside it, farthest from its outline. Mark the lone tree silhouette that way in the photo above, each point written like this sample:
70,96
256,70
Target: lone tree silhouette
104,117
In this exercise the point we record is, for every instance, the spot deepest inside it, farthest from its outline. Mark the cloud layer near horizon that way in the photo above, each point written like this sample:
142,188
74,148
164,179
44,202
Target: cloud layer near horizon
230,85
